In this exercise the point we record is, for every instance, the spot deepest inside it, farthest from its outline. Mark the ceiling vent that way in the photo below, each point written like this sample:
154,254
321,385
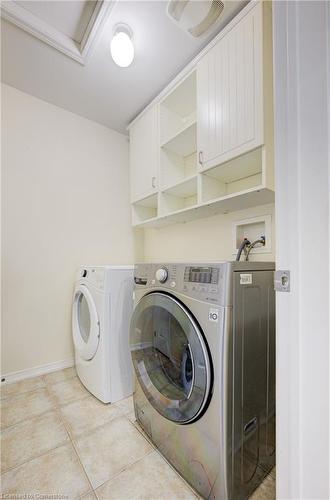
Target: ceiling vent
195,16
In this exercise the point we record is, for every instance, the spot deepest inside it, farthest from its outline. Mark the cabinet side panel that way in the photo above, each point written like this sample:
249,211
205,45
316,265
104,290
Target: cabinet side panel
144,154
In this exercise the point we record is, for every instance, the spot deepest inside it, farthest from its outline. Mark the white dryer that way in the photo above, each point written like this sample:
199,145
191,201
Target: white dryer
102,307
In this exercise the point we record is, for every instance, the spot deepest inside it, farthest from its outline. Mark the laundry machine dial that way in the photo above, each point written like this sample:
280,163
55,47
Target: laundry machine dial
161,274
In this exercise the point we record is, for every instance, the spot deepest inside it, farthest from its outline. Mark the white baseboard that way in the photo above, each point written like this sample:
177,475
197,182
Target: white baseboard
36,371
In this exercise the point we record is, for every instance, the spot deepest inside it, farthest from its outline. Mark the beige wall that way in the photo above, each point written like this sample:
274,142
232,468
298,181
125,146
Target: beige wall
65,203
208,239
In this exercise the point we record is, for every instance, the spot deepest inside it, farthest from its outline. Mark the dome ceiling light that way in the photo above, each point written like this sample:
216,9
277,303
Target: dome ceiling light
121,47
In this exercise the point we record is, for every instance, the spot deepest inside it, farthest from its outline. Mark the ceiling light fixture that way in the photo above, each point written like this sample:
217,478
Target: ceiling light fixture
121,47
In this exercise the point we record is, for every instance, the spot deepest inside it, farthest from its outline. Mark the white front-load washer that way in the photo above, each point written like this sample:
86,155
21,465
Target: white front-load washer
102,306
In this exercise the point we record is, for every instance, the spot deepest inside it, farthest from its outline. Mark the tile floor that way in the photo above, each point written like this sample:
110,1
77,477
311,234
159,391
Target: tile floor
58,439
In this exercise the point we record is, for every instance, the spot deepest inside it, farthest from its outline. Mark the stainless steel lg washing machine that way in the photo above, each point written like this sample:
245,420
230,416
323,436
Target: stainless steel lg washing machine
203,348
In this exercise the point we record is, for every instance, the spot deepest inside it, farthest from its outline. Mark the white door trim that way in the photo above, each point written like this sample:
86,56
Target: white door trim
302,95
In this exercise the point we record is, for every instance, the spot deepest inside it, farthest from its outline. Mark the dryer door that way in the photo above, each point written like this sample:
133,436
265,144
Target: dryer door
170,357
85,323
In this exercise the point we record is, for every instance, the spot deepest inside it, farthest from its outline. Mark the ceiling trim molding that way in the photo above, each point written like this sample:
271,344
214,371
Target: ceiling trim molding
80,52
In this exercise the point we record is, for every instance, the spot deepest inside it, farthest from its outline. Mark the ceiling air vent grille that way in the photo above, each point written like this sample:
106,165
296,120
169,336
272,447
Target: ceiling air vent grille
196,17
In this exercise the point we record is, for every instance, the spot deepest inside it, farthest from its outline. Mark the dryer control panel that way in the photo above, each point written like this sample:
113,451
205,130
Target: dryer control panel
94,276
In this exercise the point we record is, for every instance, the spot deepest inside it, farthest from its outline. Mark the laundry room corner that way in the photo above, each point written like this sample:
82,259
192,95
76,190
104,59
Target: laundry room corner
65,202
165,208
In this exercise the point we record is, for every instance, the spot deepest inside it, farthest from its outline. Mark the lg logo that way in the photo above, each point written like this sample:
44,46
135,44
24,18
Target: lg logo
213,315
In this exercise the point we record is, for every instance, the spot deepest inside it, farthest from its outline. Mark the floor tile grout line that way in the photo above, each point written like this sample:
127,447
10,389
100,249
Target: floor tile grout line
142,432
28,418
54,408
96,428
47,387
14,395
165,459
61,381
177,473
76,452
153,449
44,386
21,394
80,398
70,438
81,464
52,383
124,468
31,417
70,441
54,405
64,443
89,431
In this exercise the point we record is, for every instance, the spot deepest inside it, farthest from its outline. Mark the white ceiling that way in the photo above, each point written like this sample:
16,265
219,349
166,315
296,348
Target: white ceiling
100,90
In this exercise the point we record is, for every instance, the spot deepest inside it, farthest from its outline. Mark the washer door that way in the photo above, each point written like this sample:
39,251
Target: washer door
170,357
85,323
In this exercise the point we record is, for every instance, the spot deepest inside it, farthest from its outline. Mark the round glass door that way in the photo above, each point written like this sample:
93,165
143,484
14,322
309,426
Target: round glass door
85,323
170,357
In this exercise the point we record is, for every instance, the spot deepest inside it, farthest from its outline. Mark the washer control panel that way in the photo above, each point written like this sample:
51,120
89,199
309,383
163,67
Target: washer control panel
161,274
201,274
203,282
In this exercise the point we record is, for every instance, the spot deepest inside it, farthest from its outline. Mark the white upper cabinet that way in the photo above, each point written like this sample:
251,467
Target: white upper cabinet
230,93
206,145
144,154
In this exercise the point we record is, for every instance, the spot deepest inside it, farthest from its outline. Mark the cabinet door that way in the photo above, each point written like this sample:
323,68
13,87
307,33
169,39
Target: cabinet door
230,93
144,154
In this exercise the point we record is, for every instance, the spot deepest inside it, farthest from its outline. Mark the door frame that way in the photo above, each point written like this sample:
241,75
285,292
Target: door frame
301,33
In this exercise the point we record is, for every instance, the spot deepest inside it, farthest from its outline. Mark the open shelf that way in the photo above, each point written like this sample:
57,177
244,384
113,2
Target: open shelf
175,168
184,143
235,176
178,109
185,188
178,134
145,209
179,196
178,213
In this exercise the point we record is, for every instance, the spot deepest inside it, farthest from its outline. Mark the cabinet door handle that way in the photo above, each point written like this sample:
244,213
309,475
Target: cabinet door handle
153,182
200,157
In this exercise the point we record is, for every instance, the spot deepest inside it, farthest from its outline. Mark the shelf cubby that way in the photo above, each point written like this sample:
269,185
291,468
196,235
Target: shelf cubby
176,168
235,176
179,196
178,133
145,209
184,143
178,109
